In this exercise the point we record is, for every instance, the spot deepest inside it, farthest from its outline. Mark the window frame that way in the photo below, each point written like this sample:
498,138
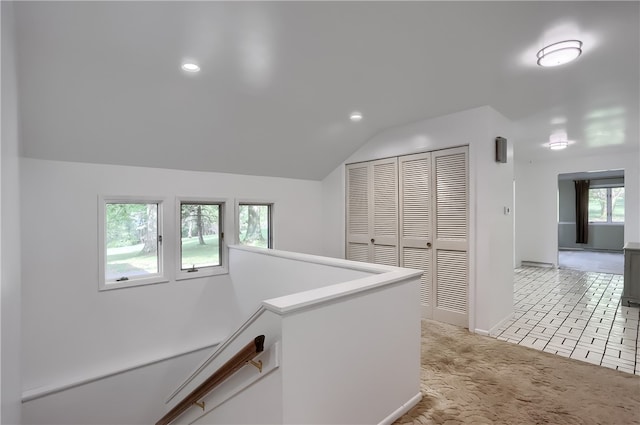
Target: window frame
160,276
270,204
223,220
609,221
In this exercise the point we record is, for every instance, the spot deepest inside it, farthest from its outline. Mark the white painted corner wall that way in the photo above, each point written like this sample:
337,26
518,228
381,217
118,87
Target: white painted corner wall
71,331
494,232
537,201
334,213
491,189
10,235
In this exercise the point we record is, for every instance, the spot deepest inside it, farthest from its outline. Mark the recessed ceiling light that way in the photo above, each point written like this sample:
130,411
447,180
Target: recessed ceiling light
190,67
355,116
559,53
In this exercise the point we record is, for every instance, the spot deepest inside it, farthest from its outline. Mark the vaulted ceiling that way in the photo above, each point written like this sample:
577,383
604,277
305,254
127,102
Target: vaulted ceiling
101,82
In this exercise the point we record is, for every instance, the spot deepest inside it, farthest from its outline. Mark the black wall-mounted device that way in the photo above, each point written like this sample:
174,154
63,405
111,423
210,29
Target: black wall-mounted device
501,149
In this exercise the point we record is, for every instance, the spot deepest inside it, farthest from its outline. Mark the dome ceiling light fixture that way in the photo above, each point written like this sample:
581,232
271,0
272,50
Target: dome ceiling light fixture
190,67
558,141
559,53
355,116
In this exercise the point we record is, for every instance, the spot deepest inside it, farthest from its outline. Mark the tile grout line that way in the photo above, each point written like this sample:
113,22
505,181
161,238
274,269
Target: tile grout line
565,319
541,289
589,319
581,292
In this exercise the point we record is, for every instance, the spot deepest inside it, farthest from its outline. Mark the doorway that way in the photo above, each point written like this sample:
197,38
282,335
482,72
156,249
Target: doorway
603,213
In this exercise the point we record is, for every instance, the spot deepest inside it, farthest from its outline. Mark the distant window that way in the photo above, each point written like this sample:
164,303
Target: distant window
131,243
616,200
606,205
598,205
201,238
255,224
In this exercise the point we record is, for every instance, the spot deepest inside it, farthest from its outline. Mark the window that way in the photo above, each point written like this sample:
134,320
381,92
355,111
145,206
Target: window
616,201
255,224
201,238
130,243
606,205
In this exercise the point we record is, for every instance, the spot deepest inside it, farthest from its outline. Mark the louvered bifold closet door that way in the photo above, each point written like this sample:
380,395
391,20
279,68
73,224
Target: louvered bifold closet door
451,208
416,222
384,206
358,234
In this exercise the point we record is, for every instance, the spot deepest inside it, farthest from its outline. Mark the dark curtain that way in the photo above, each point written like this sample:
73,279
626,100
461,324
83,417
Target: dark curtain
582,211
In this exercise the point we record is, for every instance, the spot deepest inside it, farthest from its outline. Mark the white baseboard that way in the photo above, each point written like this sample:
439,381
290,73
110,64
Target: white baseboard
525,263
401,410
494,329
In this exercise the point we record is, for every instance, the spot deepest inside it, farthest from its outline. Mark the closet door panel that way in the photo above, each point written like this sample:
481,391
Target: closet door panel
358,200
372,211
384,208
416,222
451,207
385,254
419,258
358,251
451,291
451,196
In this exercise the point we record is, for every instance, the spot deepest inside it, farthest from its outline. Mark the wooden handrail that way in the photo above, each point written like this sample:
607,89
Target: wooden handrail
241,358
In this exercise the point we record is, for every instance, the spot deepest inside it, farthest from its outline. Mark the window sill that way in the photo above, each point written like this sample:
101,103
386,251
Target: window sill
203,272
107,286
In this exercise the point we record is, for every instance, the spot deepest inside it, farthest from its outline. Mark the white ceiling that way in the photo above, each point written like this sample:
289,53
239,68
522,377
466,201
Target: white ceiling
101,82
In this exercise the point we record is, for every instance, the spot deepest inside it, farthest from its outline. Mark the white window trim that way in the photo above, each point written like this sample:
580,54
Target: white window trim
606,185
272,204
223,268
103,284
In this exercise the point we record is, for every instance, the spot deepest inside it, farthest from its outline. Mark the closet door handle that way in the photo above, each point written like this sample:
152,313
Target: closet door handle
428,244
373,240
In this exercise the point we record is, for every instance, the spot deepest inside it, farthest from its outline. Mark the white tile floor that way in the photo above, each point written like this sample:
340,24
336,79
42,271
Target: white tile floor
574,314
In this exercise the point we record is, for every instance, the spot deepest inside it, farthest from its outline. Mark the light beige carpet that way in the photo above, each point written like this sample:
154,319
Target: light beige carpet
471,379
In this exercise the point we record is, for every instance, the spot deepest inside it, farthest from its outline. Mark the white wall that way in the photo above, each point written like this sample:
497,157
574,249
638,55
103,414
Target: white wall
494,237
355,361
260,403
537,201
272,276
70,330
491,189
10,305
333,218
136,397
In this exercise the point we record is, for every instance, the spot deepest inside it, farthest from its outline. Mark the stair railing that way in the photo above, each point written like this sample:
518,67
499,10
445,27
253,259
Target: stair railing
235,363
